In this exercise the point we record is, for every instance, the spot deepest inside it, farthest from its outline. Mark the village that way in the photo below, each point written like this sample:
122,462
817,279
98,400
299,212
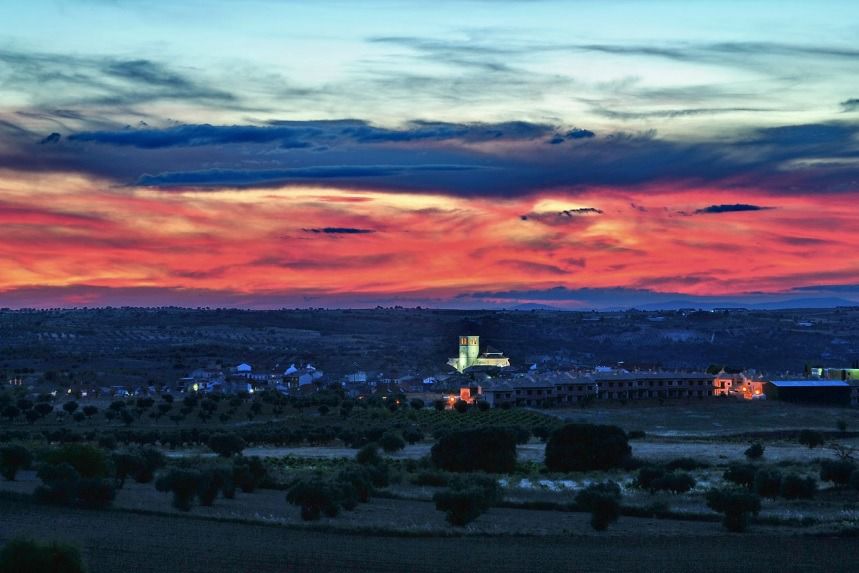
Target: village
488,379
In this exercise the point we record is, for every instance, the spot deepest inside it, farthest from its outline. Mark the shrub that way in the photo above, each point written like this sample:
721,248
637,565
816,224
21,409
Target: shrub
211,482
249,473
767,482
24,556
461,507
487,449
392,442
837,471
755,451
140,465
467,499
483,405
369,454
586,447
12,459
183,484
647,476
359,479
741,474
636,434
654,478
854,479
440,405
796,487
314,496
461,406
413,434
603,501
431,478
810,438
226,445
63,485
686,464
417,403
88,461
59,484
736,505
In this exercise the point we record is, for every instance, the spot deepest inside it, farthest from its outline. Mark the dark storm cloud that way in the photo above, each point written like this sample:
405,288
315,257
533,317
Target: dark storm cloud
561,217
735,208
851,104
299,134
468,159
52,138
533,267
267,177
339,231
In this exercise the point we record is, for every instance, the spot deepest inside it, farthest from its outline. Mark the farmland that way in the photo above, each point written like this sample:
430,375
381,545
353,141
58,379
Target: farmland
121,541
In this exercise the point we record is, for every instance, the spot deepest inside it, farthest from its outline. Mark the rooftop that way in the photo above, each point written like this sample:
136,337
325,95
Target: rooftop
809,383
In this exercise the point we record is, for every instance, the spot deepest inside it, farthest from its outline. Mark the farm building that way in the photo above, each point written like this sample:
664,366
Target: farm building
812,391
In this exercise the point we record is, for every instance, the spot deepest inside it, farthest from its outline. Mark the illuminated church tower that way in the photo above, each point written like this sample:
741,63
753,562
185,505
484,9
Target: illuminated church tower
469,355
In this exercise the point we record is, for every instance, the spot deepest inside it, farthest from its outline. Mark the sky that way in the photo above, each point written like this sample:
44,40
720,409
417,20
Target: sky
485,154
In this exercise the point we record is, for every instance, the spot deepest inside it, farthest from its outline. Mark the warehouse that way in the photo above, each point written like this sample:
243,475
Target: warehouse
833,392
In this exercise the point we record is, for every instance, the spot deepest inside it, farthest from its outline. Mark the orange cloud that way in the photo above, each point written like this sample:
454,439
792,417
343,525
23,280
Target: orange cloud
62,231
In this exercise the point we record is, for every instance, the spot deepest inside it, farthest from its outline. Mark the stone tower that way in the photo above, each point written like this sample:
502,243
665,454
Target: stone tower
469,350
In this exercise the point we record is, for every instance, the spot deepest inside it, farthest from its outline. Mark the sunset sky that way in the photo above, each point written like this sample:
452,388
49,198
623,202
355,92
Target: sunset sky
578,154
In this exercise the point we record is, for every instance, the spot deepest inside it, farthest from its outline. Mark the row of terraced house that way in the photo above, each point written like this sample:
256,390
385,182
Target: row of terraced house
570,388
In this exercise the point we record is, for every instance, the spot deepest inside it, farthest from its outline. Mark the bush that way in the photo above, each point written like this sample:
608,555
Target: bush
741,474
140,465
467,499
417,403
211,482
431,478
767,482
810,438
736,505
413,434
183,484
392,442
24,556
12,459
359,479
249,473
461,406
369,454
654,478
586,447
837,471
226,445
461,507
755,451
796,487
63,485
603,501
636,434
88,461
314,496
487,449
59,484
686,464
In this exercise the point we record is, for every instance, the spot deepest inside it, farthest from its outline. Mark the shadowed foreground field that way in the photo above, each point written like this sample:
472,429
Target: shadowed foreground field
119,541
